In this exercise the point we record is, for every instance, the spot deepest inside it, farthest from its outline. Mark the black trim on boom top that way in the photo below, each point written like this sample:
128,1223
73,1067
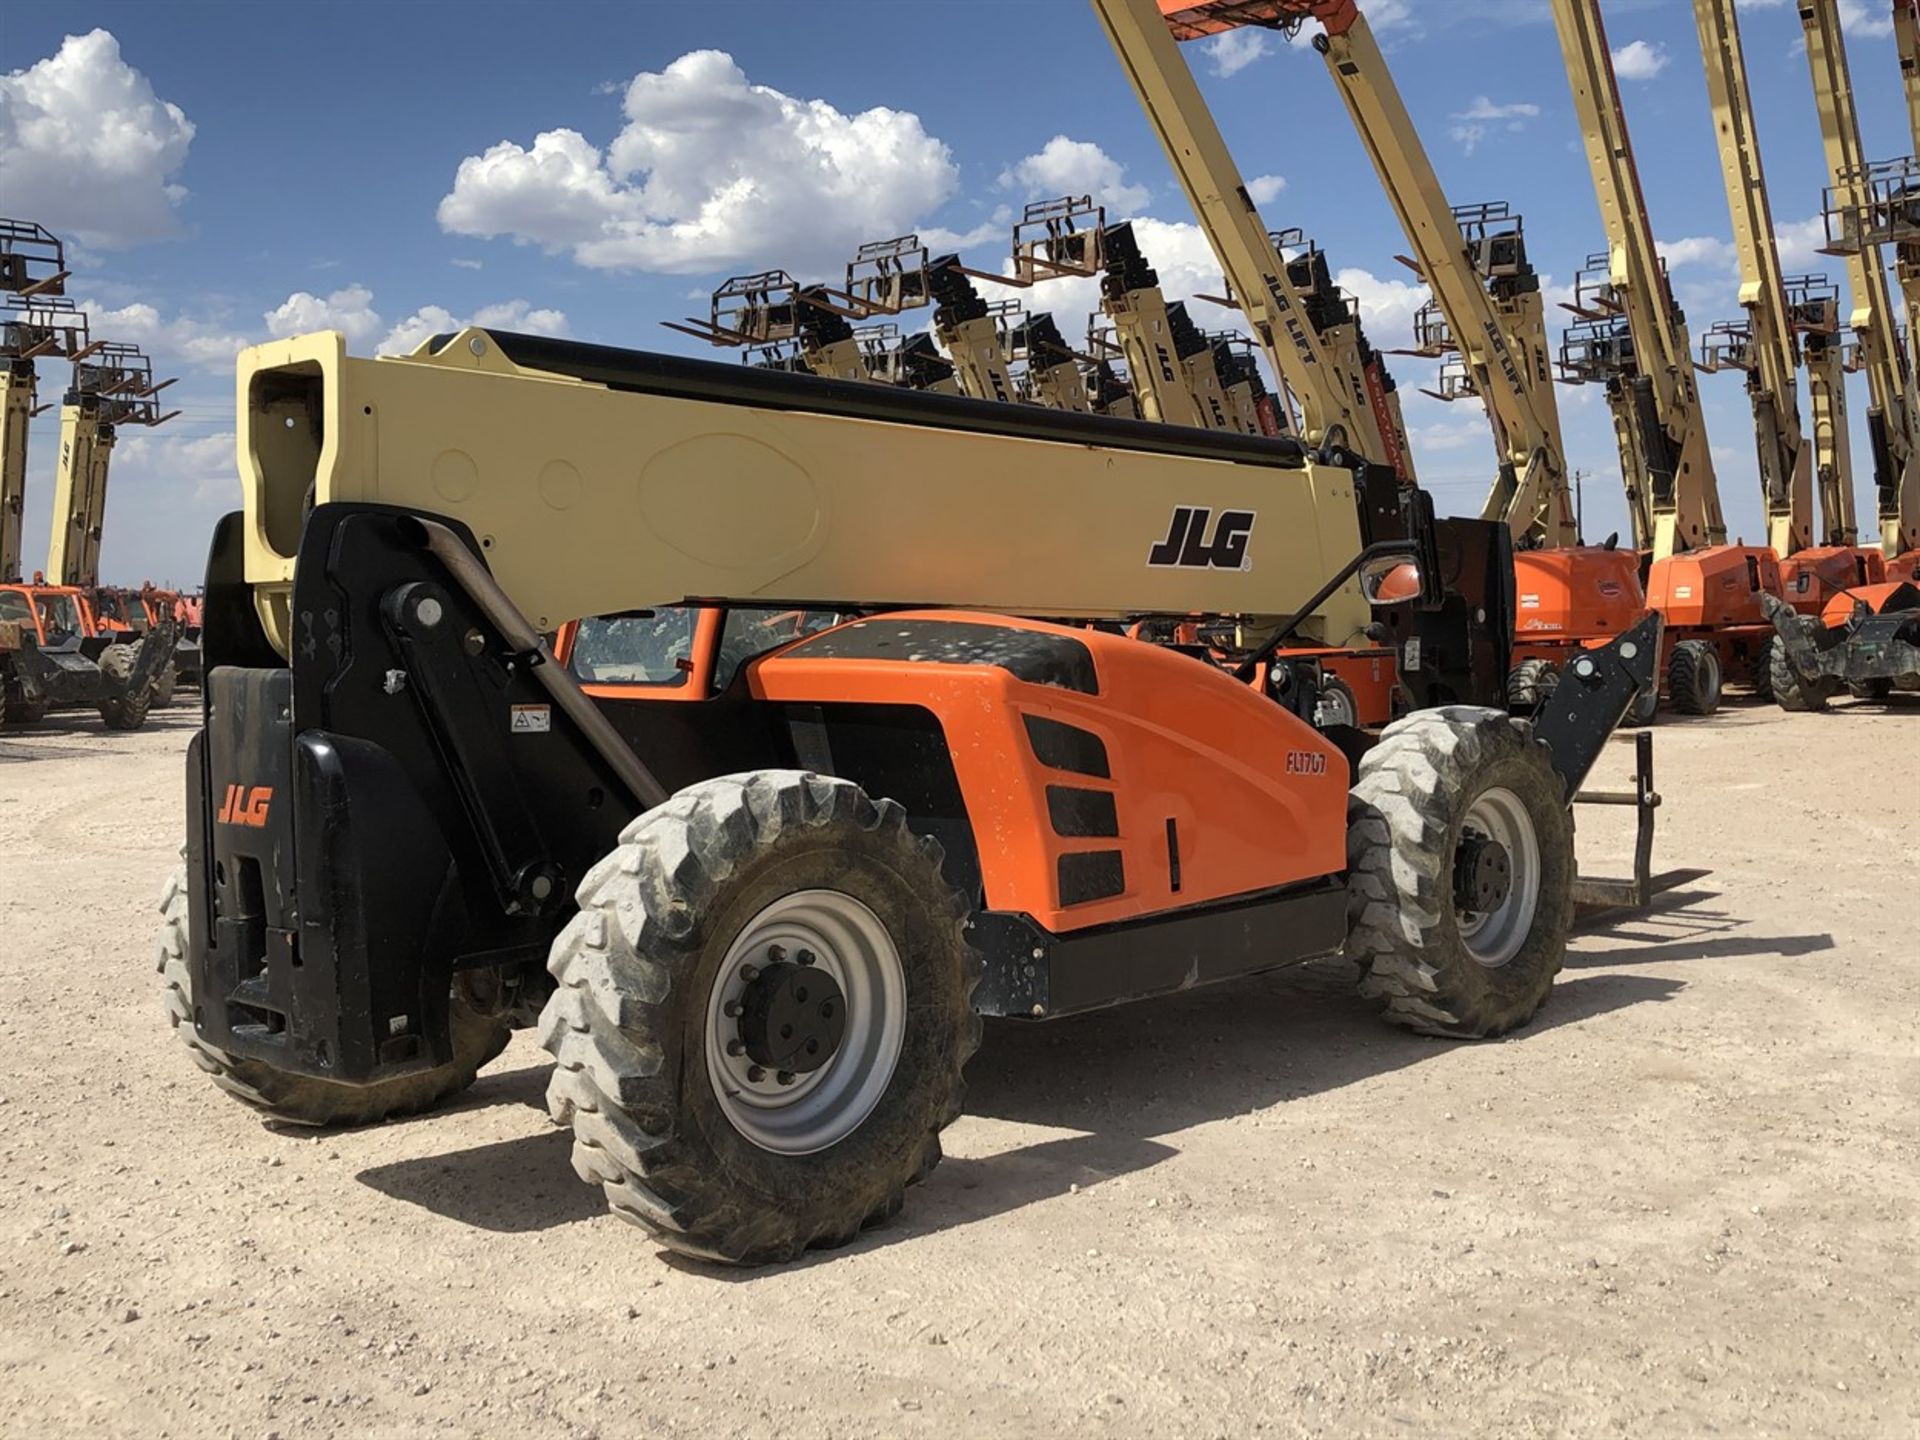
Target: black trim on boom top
647,373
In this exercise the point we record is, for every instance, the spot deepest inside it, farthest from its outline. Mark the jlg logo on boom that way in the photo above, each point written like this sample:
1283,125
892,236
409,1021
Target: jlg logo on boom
1187,546
246,805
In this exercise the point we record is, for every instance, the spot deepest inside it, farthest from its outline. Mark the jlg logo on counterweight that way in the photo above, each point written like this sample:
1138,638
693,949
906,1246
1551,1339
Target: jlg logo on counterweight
246,805
1188,547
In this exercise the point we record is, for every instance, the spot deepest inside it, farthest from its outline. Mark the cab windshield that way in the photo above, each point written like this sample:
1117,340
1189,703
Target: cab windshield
642,647
60,617
748,633
14,606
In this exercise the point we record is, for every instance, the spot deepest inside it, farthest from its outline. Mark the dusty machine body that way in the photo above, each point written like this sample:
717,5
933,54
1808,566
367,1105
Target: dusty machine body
840,750
55,654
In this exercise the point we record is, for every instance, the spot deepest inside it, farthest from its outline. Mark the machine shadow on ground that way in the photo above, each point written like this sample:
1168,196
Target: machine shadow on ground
1120,1082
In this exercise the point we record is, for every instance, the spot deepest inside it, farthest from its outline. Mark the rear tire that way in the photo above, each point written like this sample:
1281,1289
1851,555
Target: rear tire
16,709
1531,685
1439,778
1789,690
1693,678
713,1158
123,708
300,1099
1763,669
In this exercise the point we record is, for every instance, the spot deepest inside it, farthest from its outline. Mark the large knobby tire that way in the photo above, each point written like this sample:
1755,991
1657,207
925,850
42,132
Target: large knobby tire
1693,678
16,709
1791,692
301,1099
1438,785
763,873
1531,685
123,707
1762,678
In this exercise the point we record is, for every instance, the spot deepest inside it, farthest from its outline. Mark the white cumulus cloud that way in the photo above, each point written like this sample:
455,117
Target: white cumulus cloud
430,320
172,343
1075,167
1231,51
1698,250
1638,60
710,171
349,310
1857,17
1265,189
87,148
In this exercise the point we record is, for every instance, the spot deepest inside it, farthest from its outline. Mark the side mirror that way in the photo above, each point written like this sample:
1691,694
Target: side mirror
1390,580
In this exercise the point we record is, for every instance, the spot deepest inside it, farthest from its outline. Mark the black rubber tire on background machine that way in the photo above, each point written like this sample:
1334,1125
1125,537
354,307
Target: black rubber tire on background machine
165,685
1530,685
122,707
1763,669
302,1099
1789,690
1414,818
669,923
1693,678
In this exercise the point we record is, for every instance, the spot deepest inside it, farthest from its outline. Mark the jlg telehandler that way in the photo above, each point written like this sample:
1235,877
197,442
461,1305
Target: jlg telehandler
835,784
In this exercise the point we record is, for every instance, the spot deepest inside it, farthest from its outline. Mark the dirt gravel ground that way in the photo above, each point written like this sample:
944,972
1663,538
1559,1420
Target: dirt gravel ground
1684,1202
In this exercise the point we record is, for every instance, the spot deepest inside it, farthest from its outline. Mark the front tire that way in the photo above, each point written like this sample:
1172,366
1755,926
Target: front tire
1789,690
301,1099
123,708
1460,856
697,943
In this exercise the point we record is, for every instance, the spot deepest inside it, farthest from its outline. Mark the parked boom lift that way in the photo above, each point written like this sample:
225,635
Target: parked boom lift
1636,342
112,388
37,322
1867,637
1342,402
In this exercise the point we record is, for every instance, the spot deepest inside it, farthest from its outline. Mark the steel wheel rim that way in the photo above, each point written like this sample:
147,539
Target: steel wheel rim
1335,707
820,1109
1493,937
1710,686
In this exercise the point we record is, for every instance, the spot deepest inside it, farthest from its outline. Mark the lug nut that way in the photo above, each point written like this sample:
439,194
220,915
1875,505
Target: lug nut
756,1074
730,1009
785,1077
806,957
736,1047
749,973
777,953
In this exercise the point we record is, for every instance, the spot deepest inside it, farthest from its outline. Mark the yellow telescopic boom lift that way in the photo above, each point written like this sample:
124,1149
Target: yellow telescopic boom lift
1764,346
1650,388
1813,305
112,388
1340,402
37,322
1501,342
1865,208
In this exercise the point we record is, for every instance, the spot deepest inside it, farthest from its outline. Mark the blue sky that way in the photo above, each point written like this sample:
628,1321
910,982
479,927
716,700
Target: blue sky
229,171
